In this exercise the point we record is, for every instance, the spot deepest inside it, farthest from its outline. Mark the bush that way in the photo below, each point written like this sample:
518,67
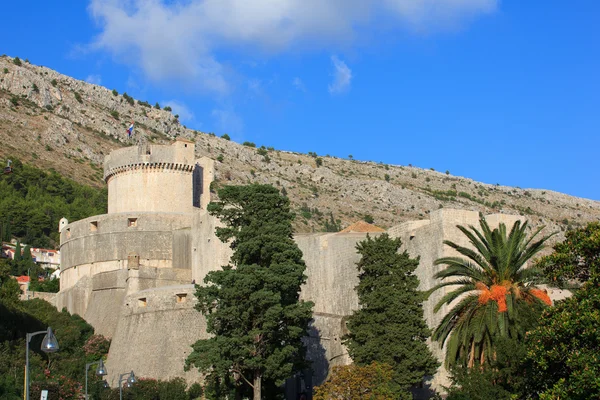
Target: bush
6,70
368,218
17,61
53,82
78,97
35,88
14,101
387,178
114,92
128,98
355,382
167,108
115,114
319,161
226,136
157,106
249,144
220,158
48,285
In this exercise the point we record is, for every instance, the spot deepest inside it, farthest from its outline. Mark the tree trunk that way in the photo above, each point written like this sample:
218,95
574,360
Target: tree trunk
257,385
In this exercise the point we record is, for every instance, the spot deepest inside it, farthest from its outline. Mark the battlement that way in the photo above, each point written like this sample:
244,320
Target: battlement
155,178
178,156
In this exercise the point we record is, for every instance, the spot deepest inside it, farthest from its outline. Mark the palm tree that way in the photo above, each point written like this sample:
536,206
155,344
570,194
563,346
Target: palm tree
496,293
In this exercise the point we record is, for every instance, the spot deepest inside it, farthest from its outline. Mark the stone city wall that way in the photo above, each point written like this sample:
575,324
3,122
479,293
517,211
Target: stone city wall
154,333
104,242
425,239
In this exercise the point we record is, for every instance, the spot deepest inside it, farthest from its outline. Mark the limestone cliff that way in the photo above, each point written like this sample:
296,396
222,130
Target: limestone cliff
59,122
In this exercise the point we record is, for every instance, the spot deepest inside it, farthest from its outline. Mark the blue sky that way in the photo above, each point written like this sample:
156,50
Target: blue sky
499,91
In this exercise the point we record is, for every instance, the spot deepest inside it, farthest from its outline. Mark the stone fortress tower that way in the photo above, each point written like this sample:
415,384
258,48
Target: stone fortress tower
129,272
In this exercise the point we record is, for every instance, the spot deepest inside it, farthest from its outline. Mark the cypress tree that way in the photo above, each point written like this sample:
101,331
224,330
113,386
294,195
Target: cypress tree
18,255
252,306
389,327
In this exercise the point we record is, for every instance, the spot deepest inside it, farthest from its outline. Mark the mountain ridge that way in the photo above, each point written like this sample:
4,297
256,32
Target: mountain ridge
68,125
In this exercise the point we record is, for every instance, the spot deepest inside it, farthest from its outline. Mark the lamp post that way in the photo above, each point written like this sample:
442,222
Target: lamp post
49,345
100,371
130,381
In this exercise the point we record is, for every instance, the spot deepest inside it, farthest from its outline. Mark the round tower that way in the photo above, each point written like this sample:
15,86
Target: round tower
151,178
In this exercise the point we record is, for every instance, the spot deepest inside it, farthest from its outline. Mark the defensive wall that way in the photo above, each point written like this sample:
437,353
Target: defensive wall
155,330
130,272
105,243
424,239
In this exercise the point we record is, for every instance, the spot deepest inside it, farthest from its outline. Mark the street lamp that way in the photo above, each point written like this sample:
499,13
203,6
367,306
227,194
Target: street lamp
100,371
130,381
49,345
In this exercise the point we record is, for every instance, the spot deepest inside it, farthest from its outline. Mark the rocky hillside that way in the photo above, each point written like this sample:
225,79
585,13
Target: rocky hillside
54,121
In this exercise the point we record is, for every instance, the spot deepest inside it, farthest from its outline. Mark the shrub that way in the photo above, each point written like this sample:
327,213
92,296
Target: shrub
319,161
114,92
17,61
249,144
226,136
220,158
128,98
167,108
157,106
6,70
53,82
78,97
144,104
368,218
447,172
387,178
49,107
35,88
413,175
14,101
114,114
262,151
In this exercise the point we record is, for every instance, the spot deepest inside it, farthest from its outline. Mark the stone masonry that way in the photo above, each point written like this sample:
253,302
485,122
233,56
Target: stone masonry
129,272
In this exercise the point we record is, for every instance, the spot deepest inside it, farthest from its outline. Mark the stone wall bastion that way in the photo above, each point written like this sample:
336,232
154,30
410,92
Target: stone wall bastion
130,272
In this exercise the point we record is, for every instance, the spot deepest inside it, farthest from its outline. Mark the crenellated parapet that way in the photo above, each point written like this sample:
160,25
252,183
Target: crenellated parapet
148,167
155,178
178,156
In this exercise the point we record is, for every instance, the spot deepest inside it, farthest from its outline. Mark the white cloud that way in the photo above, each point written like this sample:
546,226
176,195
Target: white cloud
185,115
177,40
298,84
94,79
228,121
342,76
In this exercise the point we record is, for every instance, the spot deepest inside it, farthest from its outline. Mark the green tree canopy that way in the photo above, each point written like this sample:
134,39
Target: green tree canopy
496,294
252,305
577,258
389,327
563,360
33,201
563,351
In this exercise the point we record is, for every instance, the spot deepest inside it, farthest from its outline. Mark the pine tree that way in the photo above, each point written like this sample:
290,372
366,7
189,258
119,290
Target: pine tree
389,327
252,306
